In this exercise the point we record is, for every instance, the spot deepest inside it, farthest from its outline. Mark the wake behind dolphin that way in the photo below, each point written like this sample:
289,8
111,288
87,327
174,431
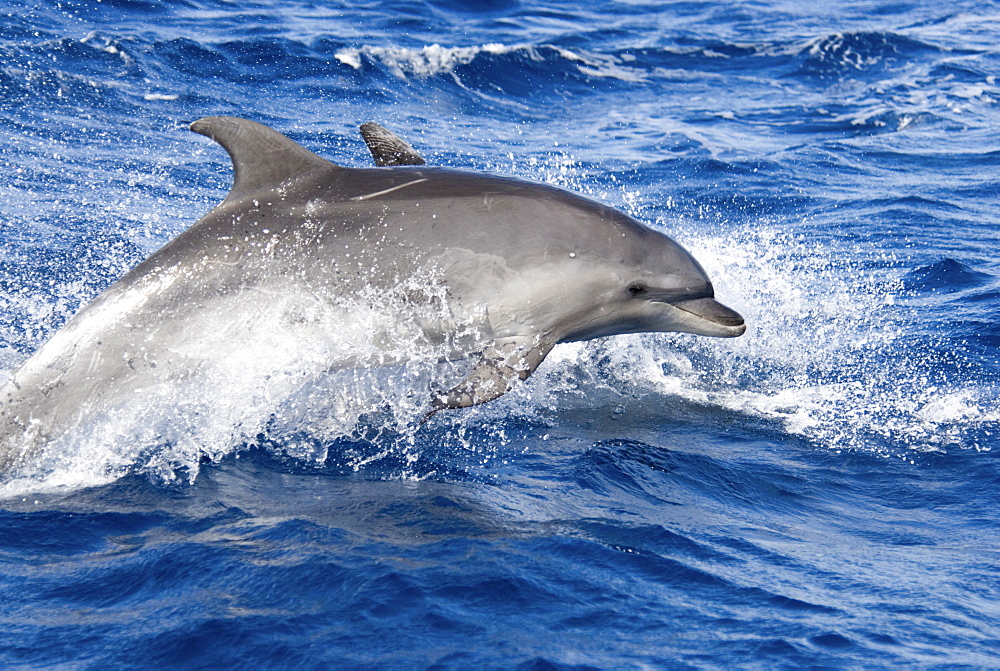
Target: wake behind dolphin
473,265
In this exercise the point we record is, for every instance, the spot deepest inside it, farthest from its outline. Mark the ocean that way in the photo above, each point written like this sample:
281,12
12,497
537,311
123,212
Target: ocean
818,493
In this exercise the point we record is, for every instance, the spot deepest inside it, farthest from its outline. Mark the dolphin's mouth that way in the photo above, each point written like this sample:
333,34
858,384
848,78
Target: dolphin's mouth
730,322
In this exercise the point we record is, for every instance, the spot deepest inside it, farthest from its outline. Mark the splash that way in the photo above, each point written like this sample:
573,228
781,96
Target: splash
294,372
832,353
830,356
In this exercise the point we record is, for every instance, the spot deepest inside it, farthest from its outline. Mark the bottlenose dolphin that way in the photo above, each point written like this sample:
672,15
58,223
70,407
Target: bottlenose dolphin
523,265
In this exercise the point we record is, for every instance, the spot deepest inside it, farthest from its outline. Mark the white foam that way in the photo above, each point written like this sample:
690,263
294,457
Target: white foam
284,369
435,59
829,354
423,62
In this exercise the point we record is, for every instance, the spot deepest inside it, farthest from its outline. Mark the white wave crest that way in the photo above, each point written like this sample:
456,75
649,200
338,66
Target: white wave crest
424,62
435,59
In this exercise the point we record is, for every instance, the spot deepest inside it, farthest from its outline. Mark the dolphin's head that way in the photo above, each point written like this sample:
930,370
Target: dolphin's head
653,285
670,290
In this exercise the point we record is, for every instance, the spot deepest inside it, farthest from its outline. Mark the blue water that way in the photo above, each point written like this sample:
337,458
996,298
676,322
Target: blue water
821,492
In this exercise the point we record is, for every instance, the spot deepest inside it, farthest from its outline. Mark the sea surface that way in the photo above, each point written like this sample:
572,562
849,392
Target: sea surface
821,492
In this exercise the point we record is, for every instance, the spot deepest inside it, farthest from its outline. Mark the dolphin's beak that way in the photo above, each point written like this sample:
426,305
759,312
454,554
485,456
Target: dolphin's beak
726,323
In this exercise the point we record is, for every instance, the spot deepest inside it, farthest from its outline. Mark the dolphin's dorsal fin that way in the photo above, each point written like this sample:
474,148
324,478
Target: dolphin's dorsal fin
387,148
262,157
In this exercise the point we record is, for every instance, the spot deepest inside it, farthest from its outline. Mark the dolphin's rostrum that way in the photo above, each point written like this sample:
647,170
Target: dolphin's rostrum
527,265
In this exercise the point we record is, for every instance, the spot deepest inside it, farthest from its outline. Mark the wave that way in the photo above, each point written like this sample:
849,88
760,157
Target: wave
123,71
831,55
842,54
433,60
945,275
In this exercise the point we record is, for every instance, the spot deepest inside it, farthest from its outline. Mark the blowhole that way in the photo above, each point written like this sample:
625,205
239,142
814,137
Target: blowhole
636,289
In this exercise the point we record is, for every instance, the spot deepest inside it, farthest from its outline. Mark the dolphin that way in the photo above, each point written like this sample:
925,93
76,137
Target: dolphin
522,266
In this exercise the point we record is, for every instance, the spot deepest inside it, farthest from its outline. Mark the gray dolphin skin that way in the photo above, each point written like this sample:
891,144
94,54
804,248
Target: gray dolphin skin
524,265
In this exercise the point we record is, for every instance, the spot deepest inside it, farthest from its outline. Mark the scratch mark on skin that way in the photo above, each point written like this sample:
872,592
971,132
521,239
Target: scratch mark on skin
385,191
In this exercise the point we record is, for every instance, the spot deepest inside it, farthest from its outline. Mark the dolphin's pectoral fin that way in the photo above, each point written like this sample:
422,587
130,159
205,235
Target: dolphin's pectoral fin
387,148
502,364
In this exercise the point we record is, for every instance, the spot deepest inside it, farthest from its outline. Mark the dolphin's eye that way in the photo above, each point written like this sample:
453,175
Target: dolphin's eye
636,289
